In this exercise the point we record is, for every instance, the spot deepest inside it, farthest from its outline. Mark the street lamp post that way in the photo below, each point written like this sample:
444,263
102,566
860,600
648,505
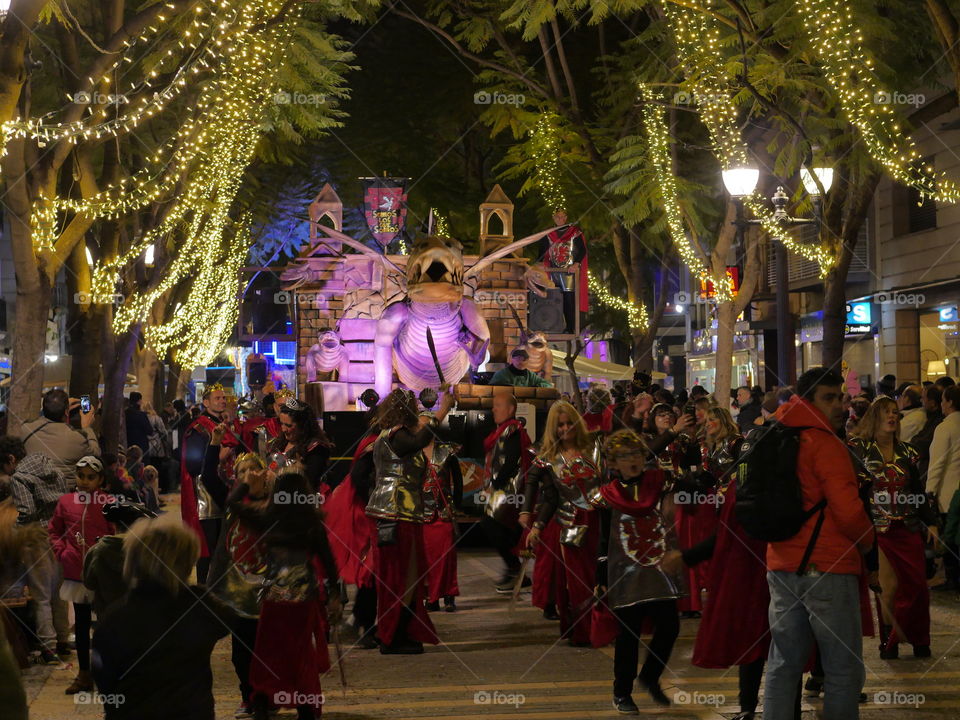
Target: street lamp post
740,183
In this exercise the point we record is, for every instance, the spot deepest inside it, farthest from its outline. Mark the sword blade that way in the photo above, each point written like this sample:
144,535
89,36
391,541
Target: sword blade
339,650
519,584
433,354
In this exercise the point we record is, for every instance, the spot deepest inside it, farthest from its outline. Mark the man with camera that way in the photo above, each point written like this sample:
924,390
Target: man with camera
53,435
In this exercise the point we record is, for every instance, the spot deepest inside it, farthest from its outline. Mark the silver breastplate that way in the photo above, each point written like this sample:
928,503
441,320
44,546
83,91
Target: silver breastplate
398,492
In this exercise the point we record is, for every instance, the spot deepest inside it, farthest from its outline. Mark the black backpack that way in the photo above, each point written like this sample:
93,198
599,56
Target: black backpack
769,497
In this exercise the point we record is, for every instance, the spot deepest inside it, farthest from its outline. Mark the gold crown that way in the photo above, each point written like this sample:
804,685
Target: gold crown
283,394
210,389
623,442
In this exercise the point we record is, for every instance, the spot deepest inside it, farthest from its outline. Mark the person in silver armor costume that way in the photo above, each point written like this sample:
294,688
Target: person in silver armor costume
505,467
567,476
442,496
396,503
637,575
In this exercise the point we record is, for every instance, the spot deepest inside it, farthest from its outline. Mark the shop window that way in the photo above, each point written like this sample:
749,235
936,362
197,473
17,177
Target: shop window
911,214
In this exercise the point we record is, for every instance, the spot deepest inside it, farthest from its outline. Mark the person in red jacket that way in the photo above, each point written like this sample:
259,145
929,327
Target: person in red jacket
820,602
76,526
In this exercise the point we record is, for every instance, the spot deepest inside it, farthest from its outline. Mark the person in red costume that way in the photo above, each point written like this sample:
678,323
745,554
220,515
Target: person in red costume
442,496
266,419
567,476
353,535
505,471
396,503
637,575
197,508
562,248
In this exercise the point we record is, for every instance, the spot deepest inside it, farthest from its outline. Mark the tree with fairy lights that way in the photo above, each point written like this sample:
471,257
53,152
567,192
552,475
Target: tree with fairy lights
128,130
540,68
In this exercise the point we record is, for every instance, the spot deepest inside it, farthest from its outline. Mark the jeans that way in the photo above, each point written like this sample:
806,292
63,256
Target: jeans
44,579
825,608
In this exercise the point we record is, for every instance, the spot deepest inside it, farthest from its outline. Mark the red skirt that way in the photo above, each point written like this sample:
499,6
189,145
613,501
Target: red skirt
352,535
576,580
695,523
438,542
290,653
546,561
911,604
393,562
735,629
188,506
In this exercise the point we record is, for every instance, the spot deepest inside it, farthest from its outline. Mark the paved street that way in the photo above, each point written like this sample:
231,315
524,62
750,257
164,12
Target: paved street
501,665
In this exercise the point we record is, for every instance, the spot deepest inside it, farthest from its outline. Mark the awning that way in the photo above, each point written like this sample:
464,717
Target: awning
587,368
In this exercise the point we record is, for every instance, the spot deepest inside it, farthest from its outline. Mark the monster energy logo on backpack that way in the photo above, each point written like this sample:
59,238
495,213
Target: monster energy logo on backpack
769,496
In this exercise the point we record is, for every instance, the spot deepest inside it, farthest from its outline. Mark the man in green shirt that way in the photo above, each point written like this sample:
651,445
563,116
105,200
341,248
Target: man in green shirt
516,373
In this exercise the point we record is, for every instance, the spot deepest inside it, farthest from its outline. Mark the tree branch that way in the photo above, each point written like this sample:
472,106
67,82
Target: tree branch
436,29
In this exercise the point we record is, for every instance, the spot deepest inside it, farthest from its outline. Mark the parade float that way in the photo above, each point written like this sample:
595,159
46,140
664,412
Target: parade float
364,319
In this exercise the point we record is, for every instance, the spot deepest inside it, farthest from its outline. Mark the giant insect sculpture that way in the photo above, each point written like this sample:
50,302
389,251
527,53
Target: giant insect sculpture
434,279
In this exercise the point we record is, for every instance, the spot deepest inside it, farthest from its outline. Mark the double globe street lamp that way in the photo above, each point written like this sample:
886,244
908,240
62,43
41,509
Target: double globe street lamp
741,182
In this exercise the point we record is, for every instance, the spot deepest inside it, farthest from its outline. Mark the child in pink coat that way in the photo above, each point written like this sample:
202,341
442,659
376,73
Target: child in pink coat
77,524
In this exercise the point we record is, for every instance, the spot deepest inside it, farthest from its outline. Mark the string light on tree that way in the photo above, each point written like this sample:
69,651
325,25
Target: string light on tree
832,32
636,314
658,142
545,148
698,39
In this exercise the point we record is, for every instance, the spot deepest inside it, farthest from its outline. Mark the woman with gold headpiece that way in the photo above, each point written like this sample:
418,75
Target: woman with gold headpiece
566,475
